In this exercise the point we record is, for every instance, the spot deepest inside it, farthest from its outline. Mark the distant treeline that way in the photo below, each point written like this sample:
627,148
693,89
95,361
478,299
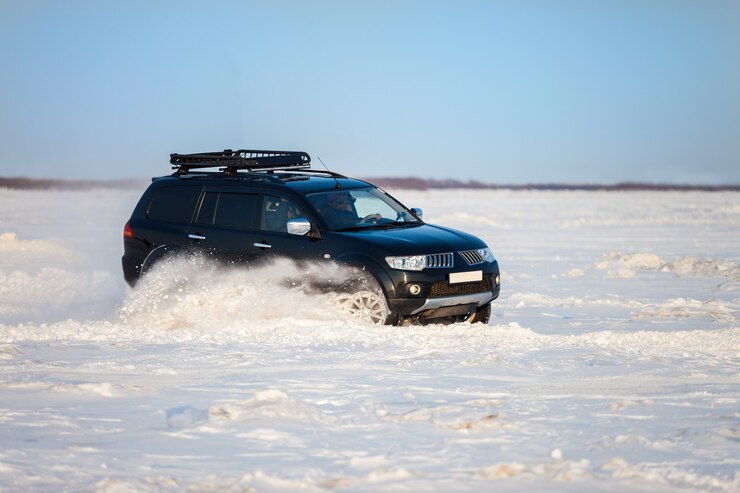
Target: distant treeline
22,183
430,184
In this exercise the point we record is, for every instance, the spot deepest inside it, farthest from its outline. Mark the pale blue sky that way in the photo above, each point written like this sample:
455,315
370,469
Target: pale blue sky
504,92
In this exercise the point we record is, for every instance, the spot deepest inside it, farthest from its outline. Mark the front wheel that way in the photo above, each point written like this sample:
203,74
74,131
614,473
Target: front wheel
367,303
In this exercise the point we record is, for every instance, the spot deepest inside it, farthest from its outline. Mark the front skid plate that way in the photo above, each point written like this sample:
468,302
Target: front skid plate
479,299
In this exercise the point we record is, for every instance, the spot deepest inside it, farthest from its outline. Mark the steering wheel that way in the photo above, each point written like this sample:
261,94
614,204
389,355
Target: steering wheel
371,218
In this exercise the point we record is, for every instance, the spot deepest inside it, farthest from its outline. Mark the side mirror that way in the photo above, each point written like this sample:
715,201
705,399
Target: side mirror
419,213
299,226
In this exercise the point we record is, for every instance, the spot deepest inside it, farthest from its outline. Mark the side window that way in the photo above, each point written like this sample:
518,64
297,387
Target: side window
276,211
235,210
175,204
207,209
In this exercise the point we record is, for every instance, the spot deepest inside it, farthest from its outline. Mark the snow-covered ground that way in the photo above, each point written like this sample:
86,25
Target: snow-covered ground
610,364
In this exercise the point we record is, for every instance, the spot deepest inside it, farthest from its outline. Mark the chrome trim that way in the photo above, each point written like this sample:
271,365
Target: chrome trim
479,299
299,226
144,265
472,257
440,261
196,237
262,245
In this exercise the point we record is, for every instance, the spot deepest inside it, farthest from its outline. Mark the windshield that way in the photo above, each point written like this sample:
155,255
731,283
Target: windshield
360,209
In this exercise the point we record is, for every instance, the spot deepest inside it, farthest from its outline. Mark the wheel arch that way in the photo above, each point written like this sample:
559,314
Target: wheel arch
157,254
368,264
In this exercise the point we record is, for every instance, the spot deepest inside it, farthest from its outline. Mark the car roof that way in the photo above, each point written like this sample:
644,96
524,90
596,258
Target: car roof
303,183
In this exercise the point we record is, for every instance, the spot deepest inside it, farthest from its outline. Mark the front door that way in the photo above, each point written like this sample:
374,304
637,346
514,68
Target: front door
272,240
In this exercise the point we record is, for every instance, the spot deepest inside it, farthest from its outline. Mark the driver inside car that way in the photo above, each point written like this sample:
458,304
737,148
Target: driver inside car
341,212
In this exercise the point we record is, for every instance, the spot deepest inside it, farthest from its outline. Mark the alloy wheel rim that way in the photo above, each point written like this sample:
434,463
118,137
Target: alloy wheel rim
365,305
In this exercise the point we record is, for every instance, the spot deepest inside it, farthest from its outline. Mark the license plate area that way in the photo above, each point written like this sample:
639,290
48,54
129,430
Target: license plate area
473,276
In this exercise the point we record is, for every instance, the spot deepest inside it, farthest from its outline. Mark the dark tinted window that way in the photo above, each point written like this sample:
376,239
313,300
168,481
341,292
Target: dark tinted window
235,210
174,204
207,209
276,211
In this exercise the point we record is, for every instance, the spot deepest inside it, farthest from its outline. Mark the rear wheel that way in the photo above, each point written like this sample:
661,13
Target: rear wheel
482,314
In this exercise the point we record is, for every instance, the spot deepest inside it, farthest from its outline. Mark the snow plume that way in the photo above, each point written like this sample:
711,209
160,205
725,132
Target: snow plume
46,280
32,254
194,291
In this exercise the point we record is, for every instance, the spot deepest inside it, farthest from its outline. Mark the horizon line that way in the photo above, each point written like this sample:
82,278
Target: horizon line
409,183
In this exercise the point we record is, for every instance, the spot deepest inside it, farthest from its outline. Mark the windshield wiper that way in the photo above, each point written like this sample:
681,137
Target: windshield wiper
355,228
385,225
392,224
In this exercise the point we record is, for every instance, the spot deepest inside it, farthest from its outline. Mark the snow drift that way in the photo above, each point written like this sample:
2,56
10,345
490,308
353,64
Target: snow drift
610,363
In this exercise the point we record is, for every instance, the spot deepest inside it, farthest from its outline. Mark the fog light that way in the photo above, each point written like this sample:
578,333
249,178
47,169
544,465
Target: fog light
414,289
498,279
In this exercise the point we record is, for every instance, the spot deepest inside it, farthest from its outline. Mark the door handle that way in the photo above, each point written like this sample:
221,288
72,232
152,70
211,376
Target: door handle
262,245
196,237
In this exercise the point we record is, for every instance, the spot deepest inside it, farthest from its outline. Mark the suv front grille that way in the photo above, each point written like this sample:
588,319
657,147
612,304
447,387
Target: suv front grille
472,257
440,260
444,288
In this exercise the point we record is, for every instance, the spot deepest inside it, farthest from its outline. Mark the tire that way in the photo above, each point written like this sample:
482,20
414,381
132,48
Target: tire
482,314
366,301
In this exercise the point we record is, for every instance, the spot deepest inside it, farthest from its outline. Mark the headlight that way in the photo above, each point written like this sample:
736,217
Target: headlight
410,262
486,254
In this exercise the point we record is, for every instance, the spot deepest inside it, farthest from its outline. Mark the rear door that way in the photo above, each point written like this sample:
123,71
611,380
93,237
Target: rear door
225,222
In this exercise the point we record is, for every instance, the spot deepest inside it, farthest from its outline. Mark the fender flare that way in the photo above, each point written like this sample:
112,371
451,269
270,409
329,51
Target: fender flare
371,266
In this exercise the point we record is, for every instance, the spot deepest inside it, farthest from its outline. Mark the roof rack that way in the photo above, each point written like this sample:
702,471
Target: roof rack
241,159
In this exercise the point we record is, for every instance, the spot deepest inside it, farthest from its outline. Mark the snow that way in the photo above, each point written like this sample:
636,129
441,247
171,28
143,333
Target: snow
610,363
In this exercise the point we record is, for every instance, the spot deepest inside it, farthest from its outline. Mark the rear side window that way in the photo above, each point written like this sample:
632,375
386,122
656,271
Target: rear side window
235,210
228,210
175,204
207,209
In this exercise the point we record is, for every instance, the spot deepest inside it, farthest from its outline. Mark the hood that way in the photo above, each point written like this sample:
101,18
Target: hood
415,240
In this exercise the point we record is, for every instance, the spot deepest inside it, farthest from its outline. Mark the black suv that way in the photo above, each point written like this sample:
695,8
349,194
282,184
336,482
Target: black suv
264,204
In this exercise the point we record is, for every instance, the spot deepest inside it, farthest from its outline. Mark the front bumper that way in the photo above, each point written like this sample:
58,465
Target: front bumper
441,299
